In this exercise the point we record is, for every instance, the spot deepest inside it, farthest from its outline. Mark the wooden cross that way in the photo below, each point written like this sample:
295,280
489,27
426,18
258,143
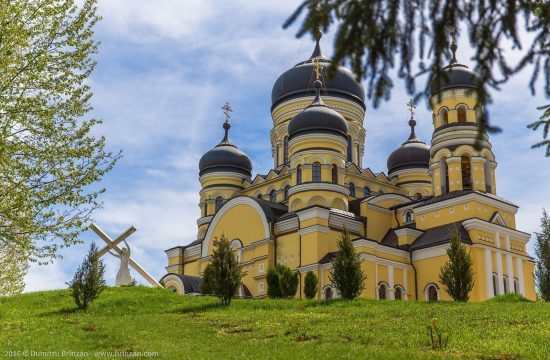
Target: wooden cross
411,106
113,245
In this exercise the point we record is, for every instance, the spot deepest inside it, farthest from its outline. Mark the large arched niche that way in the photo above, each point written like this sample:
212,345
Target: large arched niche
239,218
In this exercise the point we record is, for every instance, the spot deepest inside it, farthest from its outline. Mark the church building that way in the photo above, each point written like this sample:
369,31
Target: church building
400,222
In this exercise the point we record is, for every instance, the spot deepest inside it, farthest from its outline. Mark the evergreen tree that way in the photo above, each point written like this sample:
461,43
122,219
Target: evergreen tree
457,275
346,274
225,274
282,282
542,252
310,285
50,156
88,281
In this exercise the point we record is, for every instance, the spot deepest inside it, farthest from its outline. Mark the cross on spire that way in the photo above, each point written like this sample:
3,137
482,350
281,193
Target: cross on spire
227,110
318,68
411,107
453,46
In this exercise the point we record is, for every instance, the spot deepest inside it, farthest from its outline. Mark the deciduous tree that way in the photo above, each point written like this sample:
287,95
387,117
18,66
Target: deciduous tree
50,160
542,252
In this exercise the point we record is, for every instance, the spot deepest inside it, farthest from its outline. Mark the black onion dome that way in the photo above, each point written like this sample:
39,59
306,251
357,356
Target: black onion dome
298,80
456,75
225,157
318,118
412,154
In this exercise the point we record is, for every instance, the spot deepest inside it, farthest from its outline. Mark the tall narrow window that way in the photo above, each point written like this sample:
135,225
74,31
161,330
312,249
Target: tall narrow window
351,189
357,149
273,196
398,293
366,191
316,172
444,176
299,175
286,191
285,149
349,158
334,174
461,114
431,293
466,173
259,196
382,292
495,285
488,181
417,196
219,203
505,278
408,216
444,116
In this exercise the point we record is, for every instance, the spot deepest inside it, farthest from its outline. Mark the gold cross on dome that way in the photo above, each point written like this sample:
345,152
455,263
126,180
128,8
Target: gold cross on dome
318,69
227,110
411,106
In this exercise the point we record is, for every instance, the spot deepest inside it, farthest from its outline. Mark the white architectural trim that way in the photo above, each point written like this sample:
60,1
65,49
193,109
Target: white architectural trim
510,273
192,250
174,281
174,252
499,266
239,200
286,225
313,213
430,252
318,186
478,224
489,273
408,231
204,220
339,222
391,282
313,228
377,247
384,197
224,174
176,269
519,264
470,197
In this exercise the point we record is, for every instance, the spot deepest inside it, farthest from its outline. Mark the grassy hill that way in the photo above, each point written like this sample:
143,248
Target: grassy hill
135,320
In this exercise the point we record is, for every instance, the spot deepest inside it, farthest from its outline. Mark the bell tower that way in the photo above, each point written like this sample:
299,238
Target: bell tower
460,156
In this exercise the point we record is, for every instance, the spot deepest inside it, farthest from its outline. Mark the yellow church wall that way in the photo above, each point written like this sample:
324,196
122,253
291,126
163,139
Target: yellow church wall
240,222
529,280
278,184
288,246
378,222
426,275
451,103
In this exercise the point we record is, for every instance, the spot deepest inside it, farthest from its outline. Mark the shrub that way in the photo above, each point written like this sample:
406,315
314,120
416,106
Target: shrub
542,252
282,282
88,282
223,276
509,298
310,285
346,274
438,338
457,275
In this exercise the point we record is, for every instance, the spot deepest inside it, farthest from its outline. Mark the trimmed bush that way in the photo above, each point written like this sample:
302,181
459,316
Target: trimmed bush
310,285
282,282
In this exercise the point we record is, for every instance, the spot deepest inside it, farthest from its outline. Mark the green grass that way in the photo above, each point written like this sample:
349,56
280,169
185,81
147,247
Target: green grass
138,319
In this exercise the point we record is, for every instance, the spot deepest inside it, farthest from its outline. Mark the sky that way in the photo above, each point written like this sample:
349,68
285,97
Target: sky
165,69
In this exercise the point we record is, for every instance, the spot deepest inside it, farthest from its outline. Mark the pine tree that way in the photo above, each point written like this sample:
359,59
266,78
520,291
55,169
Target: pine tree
457,275
282,282
88,281
310,285
346,274
224,277
542,252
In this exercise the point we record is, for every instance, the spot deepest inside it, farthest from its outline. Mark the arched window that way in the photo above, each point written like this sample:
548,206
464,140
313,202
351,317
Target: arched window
316,172
382,291
285,150
466,173
328,293
408,216
219,203
273,196
506,290
286,191
495,285
516,286
277,155
366,191
334,174
461,114
443,116
299,174
417,196
444,175
398,293
432,293
349,158
259,196
351,189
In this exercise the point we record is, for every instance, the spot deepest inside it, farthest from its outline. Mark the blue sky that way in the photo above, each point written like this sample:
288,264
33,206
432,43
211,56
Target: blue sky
164,71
